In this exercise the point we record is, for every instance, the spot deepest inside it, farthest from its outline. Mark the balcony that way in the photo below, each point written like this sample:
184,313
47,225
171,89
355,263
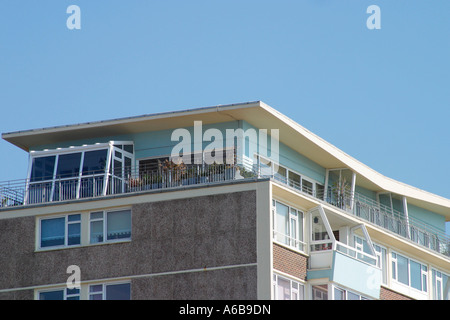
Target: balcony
333,259
371,211
125,179
97,184
392,220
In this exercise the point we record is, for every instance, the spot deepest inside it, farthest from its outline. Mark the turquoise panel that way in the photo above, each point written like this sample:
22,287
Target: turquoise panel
427,217
290,158
356,275
319,274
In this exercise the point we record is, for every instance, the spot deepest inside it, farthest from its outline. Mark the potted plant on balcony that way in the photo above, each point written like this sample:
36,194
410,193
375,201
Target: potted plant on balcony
190,176
216,172
342,192
156,181
173,172
242,173
202,175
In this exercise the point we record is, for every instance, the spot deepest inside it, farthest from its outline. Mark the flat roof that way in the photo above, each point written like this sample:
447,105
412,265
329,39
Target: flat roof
256,113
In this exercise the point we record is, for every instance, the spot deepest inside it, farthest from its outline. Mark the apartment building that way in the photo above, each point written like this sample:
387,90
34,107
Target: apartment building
253,207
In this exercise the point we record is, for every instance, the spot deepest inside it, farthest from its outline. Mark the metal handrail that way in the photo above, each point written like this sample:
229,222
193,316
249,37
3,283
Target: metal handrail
87,185
355,253
289,240
95,184
376,213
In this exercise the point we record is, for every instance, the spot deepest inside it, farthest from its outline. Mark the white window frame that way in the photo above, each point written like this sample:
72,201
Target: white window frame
437,276
66,231
381,251
103,291
316,288
66,296
314,183
295,243
105,225
346,292
84,289
299,291
409,287
110,148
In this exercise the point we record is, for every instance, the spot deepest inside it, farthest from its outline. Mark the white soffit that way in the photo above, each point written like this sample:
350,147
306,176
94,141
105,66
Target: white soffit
258,114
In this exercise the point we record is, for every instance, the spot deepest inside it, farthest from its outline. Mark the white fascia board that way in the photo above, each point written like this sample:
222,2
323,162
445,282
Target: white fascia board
385,183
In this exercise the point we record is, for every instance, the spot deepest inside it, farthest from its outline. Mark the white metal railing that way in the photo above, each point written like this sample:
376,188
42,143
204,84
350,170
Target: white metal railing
354,253
374,212
329,246
289,241
95,184
27,191
393,220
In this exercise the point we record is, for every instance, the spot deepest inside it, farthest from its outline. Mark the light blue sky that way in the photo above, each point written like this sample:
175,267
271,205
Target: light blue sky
382,96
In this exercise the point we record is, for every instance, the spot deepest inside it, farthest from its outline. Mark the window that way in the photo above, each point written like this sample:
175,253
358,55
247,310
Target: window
440,285
381,255
100,291
409,272
320,292
321,235
267,168
288,225
307,186
61,231
60,294
286,289
281,174
342,294
294,180
362,245
65,231
339,294
79,172
110,226
120,291
42,168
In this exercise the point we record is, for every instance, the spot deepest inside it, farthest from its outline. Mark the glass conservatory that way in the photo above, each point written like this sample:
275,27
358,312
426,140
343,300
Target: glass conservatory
79,172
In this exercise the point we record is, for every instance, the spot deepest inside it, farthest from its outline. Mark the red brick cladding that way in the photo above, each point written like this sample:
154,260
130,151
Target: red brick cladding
387,294
289,261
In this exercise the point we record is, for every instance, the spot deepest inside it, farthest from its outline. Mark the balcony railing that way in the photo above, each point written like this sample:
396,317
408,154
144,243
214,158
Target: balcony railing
378,214
26,191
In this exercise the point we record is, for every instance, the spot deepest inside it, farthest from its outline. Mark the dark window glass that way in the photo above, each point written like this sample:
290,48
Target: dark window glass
117,168
74,234
52,295
118,292
68,165
119,225
52,232
94,162
42,168
128,148
151,165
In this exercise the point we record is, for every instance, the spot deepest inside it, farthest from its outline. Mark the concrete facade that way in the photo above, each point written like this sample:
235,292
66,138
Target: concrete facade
202,247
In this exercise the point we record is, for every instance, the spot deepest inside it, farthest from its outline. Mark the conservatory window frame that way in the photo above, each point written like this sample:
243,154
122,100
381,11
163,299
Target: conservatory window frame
110,147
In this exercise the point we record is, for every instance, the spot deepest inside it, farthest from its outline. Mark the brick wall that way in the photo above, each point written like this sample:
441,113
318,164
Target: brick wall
388,294
289,261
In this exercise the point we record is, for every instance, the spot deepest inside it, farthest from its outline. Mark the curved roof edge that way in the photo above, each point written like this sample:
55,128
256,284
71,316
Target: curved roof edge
256,113
384,183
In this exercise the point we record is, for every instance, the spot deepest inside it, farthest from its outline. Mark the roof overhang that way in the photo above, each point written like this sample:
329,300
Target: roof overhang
259,115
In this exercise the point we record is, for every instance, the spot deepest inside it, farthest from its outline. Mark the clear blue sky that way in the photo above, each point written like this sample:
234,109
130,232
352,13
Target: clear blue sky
382,96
